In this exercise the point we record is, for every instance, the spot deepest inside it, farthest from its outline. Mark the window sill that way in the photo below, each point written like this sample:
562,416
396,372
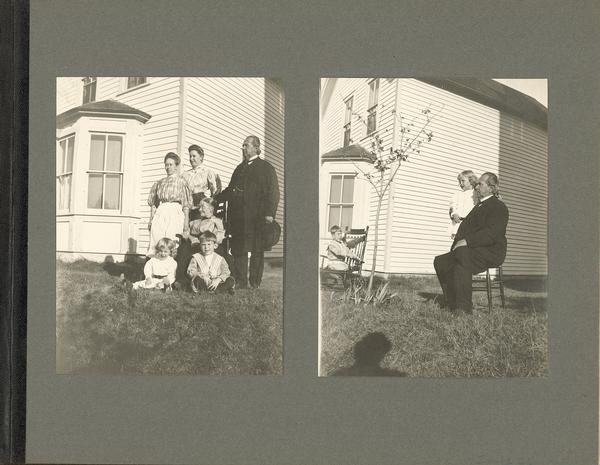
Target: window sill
131,89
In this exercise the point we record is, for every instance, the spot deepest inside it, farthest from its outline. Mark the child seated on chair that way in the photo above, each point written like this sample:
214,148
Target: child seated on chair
160,269
207,270
207,222
338,249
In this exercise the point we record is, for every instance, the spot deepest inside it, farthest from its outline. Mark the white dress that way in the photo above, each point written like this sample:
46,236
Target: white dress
461,203
155,271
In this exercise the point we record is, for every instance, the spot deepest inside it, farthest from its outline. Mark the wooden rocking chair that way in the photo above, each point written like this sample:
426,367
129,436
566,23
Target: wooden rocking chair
356,239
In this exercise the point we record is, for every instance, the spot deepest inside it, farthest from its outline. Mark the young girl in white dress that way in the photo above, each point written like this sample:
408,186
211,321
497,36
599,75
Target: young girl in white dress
160,269
463,201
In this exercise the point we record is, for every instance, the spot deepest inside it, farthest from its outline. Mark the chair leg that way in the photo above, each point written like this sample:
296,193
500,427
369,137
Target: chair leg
501,282
488,283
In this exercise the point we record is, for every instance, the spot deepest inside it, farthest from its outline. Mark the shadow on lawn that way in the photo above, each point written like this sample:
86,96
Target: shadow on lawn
523,304
132,267
368,354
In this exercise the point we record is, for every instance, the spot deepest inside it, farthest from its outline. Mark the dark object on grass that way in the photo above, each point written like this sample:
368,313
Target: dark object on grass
368,354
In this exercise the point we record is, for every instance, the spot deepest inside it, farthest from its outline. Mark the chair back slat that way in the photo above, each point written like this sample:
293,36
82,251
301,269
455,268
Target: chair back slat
359,249
221,211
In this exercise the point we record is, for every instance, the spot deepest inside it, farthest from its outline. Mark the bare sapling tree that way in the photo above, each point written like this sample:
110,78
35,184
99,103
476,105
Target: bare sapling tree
386,161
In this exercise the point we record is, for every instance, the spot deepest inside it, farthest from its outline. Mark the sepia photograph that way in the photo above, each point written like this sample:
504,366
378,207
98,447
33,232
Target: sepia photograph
169,225
433,227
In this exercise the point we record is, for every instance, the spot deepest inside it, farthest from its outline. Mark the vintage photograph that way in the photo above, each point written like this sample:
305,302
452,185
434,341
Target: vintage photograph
433,222
169,225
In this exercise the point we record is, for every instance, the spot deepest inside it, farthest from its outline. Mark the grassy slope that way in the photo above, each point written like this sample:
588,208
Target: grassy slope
430,342
103,328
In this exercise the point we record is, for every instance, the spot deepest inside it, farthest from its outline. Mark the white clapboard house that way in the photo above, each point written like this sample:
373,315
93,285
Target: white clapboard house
482,126
112,135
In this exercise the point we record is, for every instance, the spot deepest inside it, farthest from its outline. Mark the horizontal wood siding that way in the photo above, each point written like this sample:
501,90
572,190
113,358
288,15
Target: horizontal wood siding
69,93
332,125
468,135
221,112
108,87
160,99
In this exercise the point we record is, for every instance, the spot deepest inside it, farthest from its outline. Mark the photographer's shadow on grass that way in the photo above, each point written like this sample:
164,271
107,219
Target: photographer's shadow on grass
369,352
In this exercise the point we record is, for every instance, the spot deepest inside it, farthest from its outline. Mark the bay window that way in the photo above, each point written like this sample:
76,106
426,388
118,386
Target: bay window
105,173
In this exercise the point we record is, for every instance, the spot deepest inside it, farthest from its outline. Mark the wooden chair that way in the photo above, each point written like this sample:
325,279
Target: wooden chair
222,212
484,281
353,274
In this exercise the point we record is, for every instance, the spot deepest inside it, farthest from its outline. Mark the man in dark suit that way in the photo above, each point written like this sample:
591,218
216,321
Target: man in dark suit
253,195
480,243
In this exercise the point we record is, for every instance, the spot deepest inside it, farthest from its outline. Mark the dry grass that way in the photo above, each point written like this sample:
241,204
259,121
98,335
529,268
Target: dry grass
430,342
104,328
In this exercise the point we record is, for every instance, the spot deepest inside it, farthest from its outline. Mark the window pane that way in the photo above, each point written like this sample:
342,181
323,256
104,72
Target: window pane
70,147
67,192
373,93
348,116
63,188
97,153
135,81
95,191
348,190
112,191
346,218
336,189
60,157
371,121
334,217
347,137
113,153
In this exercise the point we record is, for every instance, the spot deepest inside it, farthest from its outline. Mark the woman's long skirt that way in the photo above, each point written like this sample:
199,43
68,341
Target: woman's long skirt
167,222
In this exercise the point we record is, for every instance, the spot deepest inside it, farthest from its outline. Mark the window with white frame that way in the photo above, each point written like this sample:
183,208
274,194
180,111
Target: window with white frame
135,81
105,174
341,201
89,89
372,108
64,172
348,120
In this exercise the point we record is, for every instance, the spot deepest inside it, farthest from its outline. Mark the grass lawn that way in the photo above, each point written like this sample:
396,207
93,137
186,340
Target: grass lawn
103,328
427,341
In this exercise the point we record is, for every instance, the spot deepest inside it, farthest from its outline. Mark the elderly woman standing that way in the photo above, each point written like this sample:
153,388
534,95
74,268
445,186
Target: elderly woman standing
170,200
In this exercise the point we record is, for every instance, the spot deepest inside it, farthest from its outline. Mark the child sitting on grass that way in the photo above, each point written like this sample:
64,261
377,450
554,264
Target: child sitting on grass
207,270
160,269
338,250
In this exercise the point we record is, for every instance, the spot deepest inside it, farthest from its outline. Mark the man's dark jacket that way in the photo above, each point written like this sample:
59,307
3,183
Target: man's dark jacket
484,229
253,193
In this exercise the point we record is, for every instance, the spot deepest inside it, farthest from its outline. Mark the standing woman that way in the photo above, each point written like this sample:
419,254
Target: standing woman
203,181
170,200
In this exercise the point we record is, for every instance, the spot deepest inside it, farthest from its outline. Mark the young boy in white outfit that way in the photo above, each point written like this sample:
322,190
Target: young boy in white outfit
208,270
338,250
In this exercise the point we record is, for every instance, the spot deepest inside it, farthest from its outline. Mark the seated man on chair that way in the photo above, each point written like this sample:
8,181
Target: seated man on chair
480,243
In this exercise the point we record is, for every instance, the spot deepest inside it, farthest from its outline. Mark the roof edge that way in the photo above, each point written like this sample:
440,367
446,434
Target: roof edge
496,95
106,108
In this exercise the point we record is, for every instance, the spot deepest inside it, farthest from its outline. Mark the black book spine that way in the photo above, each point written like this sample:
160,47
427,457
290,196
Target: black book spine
14,107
